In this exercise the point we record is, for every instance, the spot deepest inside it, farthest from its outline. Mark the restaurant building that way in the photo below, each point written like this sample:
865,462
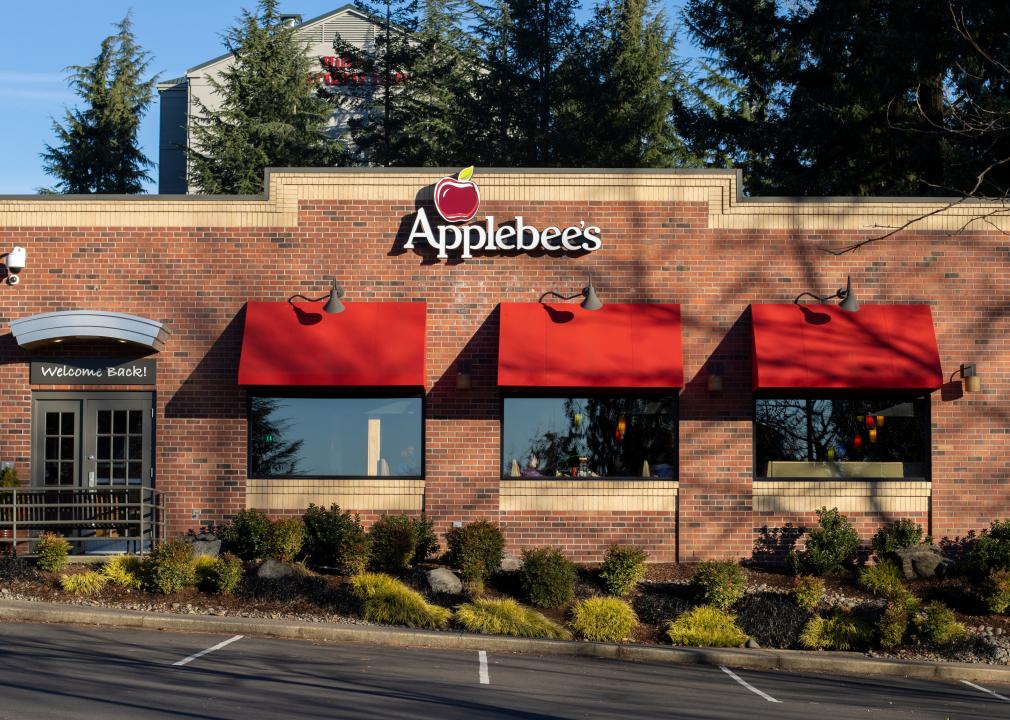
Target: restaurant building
585,357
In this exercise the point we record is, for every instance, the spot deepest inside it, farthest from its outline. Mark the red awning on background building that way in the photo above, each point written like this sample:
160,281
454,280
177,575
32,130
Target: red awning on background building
376,344
880,347
564,346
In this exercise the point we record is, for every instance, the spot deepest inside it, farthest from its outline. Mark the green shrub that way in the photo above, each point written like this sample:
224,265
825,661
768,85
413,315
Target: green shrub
706,626
335,539
388,601
990,551
883,579
505,616
170,567
623,568
547,577
476,550
996,590
719,583
221,575
936,623
840,631
603,619
830,547
51,552
86,583
286,539
393,542
808,592
124,570
893,624
427,540
898,535
247,535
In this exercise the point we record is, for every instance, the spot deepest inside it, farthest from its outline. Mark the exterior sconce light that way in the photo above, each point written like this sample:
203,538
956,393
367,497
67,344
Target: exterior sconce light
590,300
972,381
333,304
847,299
714,382
15,262
464,380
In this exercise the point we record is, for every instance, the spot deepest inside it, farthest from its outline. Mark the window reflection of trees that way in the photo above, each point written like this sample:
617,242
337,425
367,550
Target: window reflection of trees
270,454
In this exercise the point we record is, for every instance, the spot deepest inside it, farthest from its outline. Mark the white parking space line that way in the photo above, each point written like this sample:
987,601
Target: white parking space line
986,690
485,679
200,654
747,685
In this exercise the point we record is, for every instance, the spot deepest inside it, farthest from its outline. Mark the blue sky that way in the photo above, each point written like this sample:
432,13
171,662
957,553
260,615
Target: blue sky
42,38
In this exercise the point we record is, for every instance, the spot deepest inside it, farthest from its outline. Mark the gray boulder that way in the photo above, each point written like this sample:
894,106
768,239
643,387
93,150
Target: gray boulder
923,561
274,570
510,563
207,547
444,580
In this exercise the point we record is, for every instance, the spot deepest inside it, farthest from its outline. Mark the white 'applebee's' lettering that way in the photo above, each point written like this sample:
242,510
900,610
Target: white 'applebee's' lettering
489,238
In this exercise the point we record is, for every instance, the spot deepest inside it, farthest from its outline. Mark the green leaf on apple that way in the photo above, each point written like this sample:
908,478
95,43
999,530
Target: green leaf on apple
465,174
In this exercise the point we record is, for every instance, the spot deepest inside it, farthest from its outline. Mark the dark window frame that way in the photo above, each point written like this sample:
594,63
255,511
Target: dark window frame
920,397
567,392
342,394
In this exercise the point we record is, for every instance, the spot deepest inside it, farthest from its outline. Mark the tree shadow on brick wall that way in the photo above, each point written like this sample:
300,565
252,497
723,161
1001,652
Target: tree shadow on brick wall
773,544
479,358
211,390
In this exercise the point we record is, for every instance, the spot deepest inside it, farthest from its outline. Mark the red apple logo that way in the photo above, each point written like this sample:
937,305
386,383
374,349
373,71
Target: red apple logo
457,199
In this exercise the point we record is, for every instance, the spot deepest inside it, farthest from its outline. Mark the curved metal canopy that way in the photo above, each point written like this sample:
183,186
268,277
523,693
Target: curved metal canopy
37,330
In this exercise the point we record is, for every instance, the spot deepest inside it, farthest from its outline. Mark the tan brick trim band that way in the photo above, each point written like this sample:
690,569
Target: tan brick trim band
868,496
364,494
579,495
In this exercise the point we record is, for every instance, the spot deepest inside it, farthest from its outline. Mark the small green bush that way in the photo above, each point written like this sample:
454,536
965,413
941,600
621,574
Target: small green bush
830,547
86,583
124,570
936,623
388,601
898,535
623,568
51,552
221,575
719,583
335,539
706,626
170,567
996,591
286,539
883,579
247,535
547,577
893,624
840,631
990,551
505,616
808,592
427,540
393,542
603,619
476,550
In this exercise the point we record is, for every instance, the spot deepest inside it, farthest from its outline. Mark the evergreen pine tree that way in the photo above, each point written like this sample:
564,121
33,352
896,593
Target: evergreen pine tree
98,150
269,115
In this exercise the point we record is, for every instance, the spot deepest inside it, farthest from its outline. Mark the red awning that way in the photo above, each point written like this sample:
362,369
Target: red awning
880,347
369,344
564,346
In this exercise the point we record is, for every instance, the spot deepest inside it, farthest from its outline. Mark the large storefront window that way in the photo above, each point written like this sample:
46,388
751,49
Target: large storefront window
335,437
590,437
844,437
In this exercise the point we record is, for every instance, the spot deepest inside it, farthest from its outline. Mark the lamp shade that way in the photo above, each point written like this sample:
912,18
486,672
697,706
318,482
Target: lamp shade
333,305
592,301
849,302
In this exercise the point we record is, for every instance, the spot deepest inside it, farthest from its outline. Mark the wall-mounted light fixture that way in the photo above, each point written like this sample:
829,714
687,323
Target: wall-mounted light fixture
847,299
14,262
972,380
333,304
591,301
464,378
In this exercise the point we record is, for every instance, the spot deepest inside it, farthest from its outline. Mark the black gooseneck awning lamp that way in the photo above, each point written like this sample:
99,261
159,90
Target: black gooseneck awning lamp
333,304
847,299
590,300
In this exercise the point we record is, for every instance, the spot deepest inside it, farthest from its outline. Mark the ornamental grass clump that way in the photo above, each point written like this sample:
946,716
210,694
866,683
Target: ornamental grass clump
476,550
603,619
898,535
286,539
936,623
996,591
388,601
840,631
623,568
719,583
393,542
51,552
830,547
706,626
124,571
883,579
808,592
86,583
169,568
335,539
547,577
504,616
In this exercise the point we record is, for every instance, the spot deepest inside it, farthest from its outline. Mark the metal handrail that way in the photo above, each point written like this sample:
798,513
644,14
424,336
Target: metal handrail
135,513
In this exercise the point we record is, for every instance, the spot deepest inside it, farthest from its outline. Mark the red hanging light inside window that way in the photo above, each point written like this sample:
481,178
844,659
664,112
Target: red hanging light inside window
857,442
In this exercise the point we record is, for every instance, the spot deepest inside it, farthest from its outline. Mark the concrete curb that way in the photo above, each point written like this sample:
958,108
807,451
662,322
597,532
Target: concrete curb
851,664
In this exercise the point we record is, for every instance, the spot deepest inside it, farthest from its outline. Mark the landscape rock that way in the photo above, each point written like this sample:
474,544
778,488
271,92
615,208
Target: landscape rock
510,563
923,561
207,547
752,643
274,570
444,580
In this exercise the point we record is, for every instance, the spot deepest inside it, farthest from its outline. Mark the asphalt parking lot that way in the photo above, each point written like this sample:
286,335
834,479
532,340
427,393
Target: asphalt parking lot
86,672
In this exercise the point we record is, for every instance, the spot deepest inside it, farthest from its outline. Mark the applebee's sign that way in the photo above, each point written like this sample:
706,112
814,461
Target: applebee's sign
457,200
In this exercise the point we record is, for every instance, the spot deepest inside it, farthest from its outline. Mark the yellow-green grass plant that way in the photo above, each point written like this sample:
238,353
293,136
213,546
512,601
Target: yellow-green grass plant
603,619
85,583
505,616
388,601
706,626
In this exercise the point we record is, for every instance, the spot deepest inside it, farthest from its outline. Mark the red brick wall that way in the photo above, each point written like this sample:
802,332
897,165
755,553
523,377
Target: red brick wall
652,252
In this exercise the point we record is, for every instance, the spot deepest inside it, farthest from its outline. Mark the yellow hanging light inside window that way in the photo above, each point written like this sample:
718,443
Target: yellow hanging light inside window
873,434
622,425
